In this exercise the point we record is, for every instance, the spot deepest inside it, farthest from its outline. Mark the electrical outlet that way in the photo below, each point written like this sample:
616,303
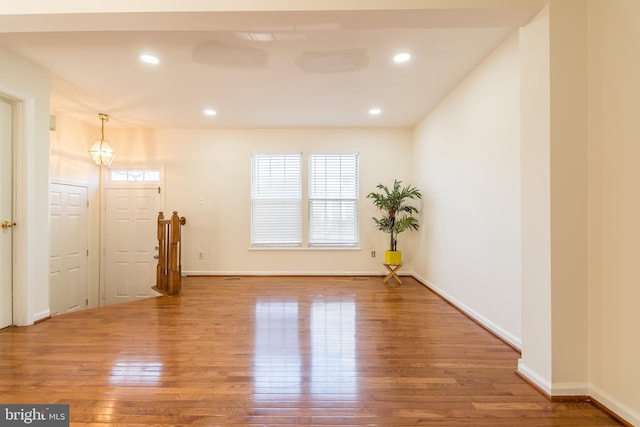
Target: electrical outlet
373,254
201,255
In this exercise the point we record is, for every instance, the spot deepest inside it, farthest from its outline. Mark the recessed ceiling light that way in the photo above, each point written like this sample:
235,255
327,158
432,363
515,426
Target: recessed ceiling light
375,111
402,57
149,59
210,112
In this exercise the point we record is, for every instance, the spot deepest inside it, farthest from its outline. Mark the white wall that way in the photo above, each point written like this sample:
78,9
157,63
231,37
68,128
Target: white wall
568,155
216,165
536,362
614,205
467,162
28,84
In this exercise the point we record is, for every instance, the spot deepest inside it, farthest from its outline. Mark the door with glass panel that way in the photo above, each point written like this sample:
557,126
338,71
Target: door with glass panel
130,243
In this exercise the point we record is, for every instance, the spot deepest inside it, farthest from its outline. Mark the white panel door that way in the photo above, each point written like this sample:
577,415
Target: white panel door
69,244
130,243
6,213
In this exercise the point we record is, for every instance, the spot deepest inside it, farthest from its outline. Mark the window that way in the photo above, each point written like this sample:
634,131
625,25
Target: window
133,175
276,200
333,200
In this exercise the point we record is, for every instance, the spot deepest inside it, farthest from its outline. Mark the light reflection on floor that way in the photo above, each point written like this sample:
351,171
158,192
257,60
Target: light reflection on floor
333,348
277,363
294,358
125,372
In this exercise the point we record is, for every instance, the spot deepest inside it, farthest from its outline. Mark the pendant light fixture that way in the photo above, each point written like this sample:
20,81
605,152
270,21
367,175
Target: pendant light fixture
101,152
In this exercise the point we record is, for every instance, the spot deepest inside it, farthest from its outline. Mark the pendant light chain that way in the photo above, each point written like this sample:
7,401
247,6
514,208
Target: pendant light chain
102,133
101,152
103,118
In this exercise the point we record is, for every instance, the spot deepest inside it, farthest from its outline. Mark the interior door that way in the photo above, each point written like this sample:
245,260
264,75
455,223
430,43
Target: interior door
6,213
69,275
130,244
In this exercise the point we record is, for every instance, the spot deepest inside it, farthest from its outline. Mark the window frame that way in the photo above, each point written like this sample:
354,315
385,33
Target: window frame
304,181
257,235
313,239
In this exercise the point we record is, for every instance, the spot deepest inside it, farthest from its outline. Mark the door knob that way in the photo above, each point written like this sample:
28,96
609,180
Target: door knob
6,224
156,257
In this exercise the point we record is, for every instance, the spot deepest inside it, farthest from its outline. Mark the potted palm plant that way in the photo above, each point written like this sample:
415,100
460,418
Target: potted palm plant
397,215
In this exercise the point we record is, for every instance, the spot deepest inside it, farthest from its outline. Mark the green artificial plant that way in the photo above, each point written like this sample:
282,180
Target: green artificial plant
398,214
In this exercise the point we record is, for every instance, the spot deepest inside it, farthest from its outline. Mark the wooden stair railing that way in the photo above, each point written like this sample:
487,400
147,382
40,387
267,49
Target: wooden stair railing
169,269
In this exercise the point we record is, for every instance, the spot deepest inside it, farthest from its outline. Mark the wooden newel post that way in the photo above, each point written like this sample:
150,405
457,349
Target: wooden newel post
169,269
175,262
161,269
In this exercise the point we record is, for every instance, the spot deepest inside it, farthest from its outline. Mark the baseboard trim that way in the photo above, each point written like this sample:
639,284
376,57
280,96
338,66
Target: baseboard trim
532,378
43,315
563,393
613,407
578,392
41,320
288,273
506,337
569,391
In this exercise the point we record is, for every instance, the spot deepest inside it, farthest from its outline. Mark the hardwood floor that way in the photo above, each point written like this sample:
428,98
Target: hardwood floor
278,351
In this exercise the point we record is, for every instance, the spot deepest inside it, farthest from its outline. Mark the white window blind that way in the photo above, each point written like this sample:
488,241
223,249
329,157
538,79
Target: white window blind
333,200
276,200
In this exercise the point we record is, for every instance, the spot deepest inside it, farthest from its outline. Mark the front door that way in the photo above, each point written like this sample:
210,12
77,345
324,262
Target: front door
130,243
6,213
69,248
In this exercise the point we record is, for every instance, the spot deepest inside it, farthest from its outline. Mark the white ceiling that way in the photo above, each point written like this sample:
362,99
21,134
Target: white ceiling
307,69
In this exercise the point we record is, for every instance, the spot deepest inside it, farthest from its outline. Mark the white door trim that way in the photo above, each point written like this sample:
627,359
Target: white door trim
7,214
